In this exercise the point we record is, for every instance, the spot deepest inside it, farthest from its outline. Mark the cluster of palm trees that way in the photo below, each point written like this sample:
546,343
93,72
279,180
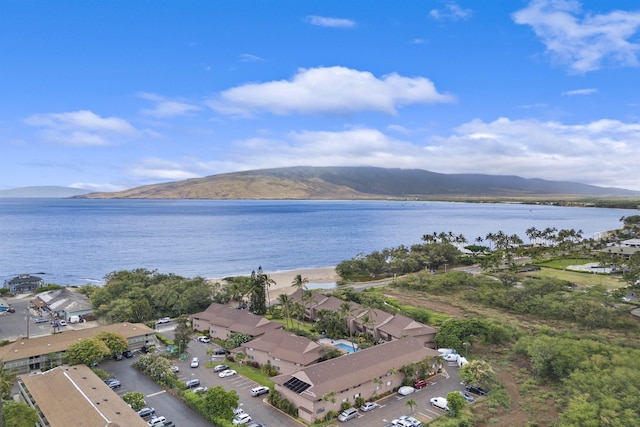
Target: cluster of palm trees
292,308
445,237
552,236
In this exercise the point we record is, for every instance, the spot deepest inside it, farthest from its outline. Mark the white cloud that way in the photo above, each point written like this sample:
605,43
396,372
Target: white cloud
80,127
247,57
323,21
97,187
589,91
583,41
166,108
158,169
451,11
603,152
329,90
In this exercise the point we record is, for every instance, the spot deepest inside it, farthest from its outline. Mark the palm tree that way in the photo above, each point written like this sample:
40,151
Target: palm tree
300,282
6,382
411,404
346,311
285,302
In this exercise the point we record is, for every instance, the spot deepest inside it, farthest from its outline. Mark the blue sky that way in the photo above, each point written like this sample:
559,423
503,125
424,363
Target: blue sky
109,95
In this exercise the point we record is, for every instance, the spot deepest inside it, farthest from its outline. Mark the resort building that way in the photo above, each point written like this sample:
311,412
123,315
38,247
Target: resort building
323,387
31,354
75,396
221,321
24,284
285,351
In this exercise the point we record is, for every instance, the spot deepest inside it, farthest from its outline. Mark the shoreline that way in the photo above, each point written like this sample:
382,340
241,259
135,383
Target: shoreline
284,278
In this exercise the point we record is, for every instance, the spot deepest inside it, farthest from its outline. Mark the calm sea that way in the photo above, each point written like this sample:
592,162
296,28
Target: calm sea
70,241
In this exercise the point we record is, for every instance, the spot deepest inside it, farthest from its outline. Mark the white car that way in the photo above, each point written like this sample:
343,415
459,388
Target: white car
405,390
62,323
227,373
204,339
401,423
201,389
411,420
164,320
452,357
369,406
175,368
242,419
195,362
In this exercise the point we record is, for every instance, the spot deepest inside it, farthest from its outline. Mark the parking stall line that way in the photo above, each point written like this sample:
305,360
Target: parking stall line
156,393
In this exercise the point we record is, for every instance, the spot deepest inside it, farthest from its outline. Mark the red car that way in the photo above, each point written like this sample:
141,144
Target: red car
421,383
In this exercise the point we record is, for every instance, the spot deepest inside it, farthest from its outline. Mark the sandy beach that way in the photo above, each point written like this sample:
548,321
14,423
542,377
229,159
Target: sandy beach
284,279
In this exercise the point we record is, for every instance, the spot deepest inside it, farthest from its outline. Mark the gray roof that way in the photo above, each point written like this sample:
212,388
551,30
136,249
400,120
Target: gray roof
65,300
287,346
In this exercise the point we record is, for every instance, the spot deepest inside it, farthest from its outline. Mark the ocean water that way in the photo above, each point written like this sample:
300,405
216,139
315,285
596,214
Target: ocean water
75,241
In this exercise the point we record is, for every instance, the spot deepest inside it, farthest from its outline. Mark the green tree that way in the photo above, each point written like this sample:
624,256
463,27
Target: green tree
86,351
285,303
260,284
18,414
411,404
6,383
219,403
455,402
478,372
135,399
182,332
115,342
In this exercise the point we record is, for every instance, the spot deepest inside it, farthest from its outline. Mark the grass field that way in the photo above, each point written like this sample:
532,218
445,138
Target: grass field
563,263
579,279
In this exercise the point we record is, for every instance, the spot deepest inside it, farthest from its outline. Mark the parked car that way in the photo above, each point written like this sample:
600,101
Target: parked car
40,320
220,368
146,411
127,353
164,320
440,402
220,351
175,368
414,422
195,362
241,419
165,424
369,406
227,373
465,395
155,420
62,323
192,383
200,389
204,339
11,310
405,390
117,356
400,423
348,414
257,425
420,383
476,390
451,357
257,391
113,383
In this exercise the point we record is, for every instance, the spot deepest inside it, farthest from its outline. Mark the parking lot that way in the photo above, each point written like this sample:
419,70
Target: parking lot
174,410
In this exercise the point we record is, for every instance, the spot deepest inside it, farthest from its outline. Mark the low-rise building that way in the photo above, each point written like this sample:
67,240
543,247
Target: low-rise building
323,387
63,303
24,284
75,396
284,351
221,321
31,354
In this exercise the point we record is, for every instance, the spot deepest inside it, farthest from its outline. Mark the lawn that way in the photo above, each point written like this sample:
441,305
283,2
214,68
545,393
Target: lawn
579,279
563,263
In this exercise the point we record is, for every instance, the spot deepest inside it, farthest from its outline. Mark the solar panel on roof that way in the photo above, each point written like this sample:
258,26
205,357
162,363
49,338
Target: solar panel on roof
296,385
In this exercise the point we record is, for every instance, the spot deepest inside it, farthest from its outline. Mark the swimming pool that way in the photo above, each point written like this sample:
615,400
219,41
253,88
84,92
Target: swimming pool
345,347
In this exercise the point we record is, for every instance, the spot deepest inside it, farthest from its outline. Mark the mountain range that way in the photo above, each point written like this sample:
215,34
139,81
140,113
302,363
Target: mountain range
349,183
45,191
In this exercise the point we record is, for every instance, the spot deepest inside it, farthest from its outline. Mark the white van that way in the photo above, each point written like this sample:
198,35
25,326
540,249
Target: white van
74,319
440,402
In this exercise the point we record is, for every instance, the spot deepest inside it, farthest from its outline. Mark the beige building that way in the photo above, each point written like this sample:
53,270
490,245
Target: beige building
221,321
285,351
30,354
75,396
365,373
